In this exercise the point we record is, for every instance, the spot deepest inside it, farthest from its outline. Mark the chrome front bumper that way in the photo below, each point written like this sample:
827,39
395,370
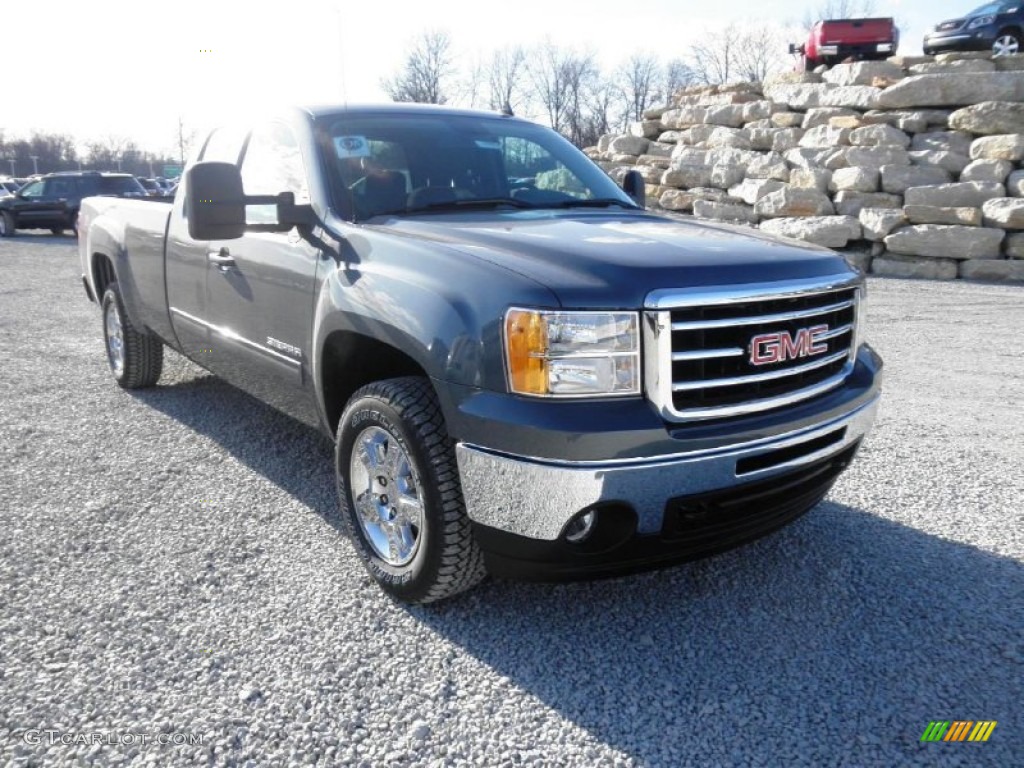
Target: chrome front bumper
537,498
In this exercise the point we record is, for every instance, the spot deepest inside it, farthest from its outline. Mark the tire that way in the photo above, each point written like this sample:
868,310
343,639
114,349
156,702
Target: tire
1007,43
58,231
392,435
7,224
136,358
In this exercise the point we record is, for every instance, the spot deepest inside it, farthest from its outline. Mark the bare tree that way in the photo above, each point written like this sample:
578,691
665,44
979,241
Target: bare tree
472,84
111,152
760,51
737,53
428,70
547,76
506,73
839,9
677,75
599,115
185,138
637,79
714,57
564,82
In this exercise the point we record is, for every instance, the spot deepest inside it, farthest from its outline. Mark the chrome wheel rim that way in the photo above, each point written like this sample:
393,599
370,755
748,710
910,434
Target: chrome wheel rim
386,494
3,225
115,339
1006,45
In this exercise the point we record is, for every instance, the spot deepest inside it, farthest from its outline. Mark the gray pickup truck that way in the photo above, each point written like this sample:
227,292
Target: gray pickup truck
522,370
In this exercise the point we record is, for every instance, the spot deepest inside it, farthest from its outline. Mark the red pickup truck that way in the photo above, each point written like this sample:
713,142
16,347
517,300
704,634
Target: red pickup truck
834,40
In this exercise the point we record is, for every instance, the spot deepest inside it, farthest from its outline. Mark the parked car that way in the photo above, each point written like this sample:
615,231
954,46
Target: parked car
153,189
834,40
52,201
994,26
522,370
8,187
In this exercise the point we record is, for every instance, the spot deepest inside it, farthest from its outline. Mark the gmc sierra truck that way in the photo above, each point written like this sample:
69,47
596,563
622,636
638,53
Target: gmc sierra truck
522,370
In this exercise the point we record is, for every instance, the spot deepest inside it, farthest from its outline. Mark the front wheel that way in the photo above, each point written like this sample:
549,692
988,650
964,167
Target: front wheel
398,485
136,358
1007,43
7,224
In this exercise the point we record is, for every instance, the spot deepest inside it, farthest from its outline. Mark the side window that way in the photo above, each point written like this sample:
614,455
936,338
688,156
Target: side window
224,145
272,164
33,191
534,172
60,188
87,186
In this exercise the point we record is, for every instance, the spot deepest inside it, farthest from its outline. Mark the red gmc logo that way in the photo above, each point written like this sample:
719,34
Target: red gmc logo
766,348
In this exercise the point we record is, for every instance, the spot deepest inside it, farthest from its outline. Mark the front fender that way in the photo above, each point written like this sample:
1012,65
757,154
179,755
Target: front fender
439,306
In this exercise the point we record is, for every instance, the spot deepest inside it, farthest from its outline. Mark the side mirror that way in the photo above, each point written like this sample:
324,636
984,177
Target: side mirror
634,185
215,201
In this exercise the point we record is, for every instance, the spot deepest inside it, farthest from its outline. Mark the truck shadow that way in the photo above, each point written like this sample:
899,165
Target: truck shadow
841,632
295,457
844,633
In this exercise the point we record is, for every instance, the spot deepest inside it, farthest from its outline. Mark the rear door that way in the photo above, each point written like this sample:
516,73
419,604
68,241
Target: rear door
260,286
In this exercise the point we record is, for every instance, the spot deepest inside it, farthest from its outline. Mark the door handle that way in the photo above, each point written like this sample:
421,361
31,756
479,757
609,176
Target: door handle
222,258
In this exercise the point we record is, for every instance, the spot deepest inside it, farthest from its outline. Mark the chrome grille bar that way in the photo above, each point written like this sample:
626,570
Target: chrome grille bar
753,379
781,317
707,354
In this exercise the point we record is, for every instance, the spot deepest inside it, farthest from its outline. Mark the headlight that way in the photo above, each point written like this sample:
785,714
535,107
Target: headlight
981,21
572,354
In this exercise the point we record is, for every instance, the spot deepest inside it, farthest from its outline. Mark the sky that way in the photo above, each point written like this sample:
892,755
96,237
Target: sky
130,68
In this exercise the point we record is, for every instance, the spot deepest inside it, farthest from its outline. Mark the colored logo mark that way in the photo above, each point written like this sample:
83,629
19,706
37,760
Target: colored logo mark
958,730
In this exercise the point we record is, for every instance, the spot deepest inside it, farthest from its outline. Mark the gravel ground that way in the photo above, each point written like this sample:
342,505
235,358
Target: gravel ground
171,564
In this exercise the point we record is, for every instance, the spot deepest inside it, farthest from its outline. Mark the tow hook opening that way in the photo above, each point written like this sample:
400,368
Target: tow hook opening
600,527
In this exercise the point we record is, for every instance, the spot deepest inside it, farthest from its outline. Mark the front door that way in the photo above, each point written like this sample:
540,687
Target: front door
34,206
260,287
188,260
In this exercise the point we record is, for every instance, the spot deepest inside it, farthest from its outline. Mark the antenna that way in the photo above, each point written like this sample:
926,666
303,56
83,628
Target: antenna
341,54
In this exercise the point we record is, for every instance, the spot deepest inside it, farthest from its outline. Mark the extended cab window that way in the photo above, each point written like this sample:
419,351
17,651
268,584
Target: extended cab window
272,164
411,164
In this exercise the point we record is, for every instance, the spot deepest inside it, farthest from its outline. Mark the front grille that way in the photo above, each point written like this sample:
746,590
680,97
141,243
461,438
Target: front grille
949,25
711,353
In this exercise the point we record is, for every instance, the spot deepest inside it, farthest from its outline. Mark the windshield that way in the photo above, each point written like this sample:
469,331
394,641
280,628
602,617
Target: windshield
413,163
992,8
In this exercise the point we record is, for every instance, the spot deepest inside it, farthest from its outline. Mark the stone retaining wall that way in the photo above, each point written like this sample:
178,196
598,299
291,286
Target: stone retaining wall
911,166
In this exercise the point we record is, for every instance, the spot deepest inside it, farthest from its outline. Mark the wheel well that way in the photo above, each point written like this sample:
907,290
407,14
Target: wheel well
1011,28
350,361
102,274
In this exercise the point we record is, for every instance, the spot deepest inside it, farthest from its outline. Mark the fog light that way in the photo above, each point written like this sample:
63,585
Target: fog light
580,528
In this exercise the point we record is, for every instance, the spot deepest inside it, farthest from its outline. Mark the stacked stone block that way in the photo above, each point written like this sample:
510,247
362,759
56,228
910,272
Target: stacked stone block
914,166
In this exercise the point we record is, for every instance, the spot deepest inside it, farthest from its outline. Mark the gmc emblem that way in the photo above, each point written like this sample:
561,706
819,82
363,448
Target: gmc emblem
767,348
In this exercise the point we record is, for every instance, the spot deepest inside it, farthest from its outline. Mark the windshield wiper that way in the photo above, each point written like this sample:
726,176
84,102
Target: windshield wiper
597,202
470,203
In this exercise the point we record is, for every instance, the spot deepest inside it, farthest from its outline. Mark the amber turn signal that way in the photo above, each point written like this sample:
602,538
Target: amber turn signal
527,341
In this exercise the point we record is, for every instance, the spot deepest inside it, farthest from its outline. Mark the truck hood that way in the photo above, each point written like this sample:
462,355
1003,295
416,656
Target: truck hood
602,259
